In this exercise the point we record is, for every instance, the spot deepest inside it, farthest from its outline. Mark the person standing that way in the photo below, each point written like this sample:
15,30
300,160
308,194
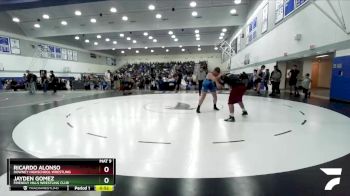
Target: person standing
275,79
293,80
147,83
210,84
254,78
115,81
259,80
267,80
44,81
31,80
178,80
238,88
201,77
24,79
53,81
108,79
305,84
13,84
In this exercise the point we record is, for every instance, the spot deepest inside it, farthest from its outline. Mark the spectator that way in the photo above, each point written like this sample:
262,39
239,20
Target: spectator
178,80
31,80
259,80
275,79
147,83
108,80
53,81
201,77
293,79
44,81
254,79
14,84
267,80
305,84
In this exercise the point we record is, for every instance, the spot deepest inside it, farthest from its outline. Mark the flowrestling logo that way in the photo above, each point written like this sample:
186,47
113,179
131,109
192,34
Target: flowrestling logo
335,181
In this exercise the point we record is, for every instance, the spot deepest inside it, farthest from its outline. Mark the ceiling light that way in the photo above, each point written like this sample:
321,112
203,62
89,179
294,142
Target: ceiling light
222,34
216,48
134,41
87,41
125,18
145,34
233,11
77,13
150,37
115,42
221,37
15,19
64,23
321,56
238,1
183,49
128,38
176,39
107,40
198,38
167,50
98,36
129,48
95,43
193,4
76,37
180,46
196,31
170,32
37,25
158,16
113,10
146,48
122,52
151,7
199,49
194,13
137,51
46,16
93,20
224,30
152,51
199,46
113,48
173,36
197,35
163,46
121,35
155,40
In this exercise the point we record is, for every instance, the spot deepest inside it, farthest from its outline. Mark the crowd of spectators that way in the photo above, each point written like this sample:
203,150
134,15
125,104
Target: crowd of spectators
32,82
149,76
157,76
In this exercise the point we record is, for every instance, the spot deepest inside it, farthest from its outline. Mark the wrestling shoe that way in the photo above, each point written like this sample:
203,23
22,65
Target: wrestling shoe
216,108
244,113
198,110
230,119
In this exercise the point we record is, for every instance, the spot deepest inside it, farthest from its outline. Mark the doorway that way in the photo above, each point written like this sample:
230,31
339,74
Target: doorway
321,76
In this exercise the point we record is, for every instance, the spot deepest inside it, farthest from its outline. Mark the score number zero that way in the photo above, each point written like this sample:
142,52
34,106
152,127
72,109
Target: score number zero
106,169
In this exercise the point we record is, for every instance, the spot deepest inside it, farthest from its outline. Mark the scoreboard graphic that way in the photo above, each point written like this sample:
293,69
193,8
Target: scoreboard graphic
61,174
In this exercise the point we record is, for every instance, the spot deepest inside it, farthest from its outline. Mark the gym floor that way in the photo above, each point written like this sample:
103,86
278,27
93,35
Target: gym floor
163,147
